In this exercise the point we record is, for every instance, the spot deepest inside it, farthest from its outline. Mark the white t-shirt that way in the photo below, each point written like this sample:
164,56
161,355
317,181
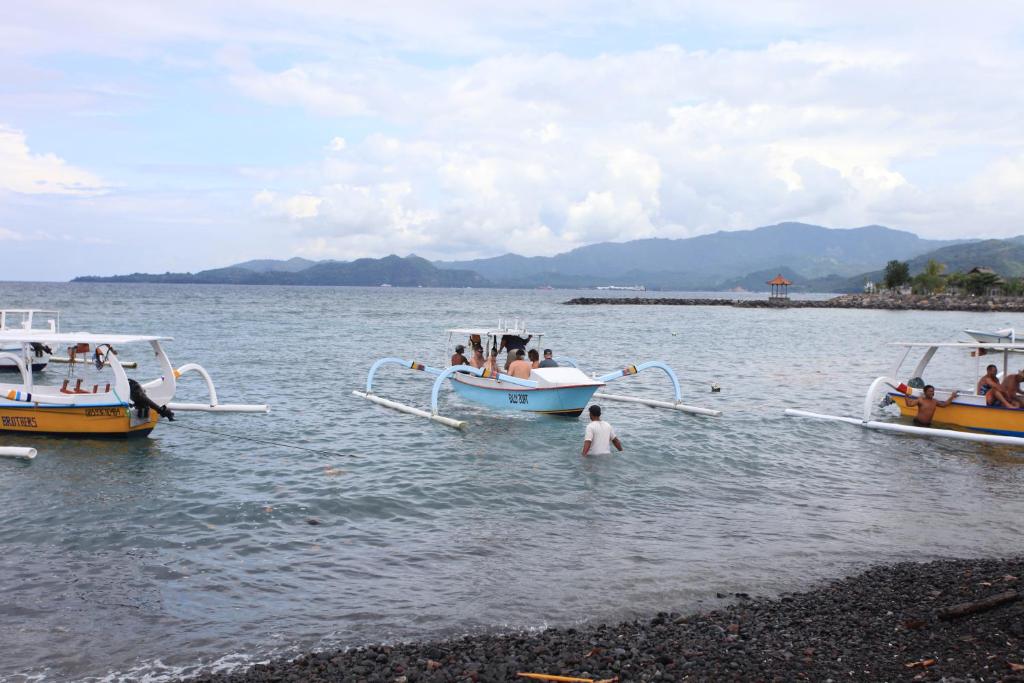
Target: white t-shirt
600,435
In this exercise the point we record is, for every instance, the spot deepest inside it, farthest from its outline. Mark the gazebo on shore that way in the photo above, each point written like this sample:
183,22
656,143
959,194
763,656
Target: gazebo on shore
780,288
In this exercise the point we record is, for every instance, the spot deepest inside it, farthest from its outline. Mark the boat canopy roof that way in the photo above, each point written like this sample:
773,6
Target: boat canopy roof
44,337
493,331
995,346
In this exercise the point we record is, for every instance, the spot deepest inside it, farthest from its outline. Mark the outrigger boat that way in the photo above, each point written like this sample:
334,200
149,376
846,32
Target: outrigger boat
563,390
110,406
969,411
28,319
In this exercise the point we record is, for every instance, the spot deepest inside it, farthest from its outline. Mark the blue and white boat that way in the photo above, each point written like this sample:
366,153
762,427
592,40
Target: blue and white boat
28,320
563,390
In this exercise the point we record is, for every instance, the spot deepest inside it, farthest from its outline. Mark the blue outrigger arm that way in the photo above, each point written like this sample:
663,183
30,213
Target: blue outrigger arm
677,404
441,376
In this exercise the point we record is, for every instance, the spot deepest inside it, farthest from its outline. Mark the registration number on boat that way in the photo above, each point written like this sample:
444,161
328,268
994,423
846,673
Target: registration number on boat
521,399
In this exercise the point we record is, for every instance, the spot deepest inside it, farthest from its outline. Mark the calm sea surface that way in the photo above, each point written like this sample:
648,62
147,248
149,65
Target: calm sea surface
154,557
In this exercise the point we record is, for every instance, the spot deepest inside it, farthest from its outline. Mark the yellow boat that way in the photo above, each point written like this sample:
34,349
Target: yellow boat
969,414
102,403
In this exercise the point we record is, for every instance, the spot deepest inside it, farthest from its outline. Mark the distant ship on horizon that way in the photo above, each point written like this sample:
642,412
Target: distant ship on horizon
624,288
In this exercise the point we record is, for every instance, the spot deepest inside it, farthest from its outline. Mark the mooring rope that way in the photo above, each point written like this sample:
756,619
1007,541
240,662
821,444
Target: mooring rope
262,441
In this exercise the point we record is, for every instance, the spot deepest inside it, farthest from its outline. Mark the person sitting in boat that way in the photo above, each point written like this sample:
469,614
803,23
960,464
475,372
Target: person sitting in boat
520,367
548,361
990,387
927,404
534,358
1011,384
513,343
458,358
491,364
478,360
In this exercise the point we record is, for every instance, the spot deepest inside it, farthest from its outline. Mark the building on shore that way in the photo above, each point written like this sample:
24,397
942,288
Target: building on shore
780,288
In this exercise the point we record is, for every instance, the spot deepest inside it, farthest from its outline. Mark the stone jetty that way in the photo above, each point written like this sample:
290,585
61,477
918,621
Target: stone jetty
891,302
950,620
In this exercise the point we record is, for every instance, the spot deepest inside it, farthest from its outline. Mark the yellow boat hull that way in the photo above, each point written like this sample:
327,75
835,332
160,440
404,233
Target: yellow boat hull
992,419
77,421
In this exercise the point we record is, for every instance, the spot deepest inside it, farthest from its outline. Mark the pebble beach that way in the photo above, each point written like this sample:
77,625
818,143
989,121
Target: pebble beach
947,620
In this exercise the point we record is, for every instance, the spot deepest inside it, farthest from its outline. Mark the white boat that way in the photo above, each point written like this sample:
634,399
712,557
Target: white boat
563,390
624,288
20,319
1006,335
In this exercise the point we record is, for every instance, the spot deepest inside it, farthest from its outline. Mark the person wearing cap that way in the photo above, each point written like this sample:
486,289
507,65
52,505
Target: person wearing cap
548,361
520,367
600,435
458,358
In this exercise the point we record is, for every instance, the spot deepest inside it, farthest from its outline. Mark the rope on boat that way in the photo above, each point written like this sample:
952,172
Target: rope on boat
262,441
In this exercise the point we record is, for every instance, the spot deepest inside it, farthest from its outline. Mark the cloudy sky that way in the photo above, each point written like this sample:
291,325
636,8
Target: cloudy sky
144,136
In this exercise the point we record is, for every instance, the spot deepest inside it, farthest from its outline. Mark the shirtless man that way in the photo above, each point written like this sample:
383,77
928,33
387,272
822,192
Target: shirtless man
520,367
458,358
927,404
992,390
478,360
1011,384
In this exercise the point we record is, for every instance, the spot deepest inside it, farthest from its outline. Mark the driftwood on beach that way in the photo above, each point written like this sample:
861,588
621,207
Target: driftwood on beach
891,302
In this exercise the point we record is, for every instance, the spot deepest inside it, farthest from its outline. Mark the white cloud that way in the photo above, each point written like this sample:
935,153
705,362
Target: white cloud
462,129
25,172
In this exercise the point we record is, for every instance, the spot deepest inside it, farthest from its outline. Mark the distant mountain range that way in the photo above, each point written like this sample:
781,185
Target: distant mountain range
411,271
813,257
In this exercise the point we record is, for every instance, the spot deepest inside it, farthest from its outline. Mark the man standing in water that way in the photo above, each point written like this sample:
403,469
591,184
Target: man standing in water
600,435
926,406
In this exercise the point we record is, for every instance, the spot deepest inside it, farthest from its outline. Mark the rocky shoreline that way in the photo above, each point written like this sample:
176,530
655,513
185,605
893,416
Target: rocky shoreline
890,302
951,620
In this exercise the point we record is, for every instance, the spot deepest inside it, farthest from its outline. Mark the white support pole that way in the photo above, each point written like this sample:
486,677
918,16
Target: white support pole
660,404
401,407
15,452
917,431
130,364
220,407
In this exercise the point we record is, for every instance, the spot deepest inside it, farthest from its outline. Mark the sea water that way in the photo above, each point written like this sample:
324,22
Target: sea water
210,544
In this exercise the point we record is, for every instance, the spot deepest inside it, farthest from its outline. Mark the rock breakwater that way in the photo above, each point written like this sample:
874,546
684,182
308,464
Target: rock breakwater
938,302
947,620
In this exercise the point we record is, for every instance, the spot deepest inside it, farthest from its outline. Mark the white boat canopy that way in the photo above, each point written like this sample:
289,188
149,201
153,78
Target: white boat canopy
996,346
44,337
492,331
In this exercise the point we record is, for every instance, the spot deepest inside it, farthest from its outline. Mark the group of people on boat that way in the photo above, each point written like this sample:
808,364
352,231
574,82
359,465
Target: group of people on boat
1006,394
519,361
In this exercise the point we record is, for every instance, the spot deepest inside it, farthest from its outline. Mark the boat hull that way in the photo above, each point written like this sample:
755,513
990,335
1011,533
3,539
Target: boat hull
980,418
95,421
568,401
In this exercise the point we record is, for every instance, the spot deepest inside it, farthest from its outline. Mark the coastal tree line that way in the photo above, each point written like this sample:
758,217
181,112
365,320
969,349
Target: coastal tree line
933,279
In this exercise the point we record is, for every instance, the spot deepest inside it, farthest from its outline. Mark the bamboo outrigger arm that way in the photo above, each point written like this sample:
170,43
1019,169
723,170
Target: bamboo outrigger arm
868,423
441,376
677,404
17,452
214,406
